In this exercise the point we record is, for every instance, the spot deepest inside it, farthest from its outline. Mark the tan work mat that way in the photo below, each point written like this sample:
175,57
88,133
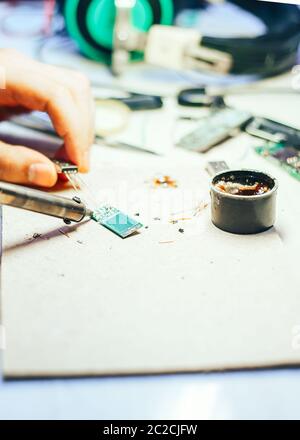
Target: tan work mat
180,296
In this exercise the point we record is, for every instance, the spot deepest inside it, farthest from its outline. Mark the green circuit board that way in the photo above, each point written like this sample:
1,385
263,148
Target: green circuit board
116,221
283,155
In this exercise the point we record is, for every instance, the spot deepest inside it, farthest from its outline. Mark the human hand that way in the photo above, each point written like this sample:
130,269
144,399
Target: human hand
65,95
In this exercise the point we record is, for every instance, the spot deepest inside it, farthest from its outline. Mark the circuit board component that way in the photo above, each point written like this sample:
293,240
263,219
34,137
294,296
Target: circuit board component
287,157
63,167
116,221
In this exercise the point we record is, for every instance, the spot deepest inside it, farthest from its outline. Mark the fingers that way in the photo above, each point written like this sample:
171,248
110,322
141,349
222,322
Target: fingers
21,165
62,93
80,89
66,120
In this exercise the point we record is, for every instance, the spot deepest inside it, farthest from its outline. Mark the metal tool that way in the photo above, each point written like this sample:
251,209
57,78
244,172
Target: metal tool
44,203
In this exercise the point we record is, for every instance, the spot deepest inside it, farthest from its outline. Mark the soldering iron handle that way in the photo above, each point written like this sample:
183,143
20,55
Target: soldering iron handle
42,202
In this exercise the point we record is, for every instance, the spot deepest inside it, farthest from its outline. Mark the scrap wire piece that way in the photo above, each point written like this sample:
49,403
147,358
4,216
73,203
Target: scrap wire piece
116,221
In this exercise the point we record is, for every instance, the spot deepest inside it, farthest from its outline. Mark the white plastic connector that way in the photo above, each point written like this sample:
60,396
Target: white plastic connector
167,46
180,48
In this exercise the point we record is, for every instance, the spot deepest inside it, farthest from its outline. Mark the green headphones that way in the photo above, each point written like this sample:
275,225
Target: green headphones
90,23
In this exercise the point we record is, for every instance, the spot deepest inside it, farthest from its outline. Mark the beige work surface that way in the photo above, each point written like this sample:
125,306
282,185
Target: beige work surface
82,301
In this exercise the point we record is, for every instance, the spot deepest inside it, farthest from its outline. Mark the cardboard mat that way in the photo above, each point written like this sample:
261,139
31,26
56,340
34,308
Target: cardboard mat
179,296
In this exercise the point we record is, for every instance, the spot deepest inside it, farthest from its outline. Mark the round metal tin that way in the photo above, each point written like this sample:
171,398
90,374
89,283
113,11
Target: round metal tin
243,214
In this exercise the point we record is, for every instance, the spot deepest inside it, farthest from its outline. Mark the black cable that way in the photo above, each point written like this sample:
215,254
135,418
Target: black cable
265,55
271,53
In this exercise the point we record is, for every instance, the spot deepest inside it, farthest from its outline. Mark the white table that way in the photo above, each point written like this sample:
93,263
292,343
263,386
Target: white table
249,394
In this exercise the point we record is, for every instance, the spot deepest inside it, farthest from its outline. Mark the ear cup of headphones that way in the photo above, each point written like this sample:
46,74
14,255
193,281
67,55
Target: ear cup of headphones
91,22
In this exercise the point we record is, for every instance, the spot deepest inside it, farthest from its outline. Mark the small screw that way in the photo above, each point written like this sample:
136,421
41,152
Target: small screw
67,221
76,199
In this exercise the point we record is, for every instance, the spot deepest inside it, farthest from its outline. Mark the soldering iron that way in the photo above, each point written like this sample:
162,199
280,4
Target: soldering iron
70,210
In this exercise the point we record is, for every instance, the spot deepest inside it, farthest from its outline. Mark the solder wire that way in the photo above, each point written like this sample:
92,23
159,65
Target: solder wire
71,179
87,190
80,186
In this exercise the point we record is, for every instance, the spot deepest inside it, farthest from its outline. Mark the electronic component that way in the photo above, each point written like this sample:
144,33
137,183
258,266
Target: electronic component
184,51
285,156
215,128
274,131
69,171
116,221
215,167
63,167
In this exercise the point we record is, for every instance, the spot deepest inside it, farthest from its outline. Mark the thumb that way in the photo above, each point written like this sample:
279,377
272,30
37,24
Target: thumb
19,164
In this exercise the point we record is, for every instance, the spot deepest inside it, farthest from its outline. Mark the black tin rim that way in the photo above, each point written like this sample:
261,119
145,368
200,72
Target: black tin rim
238,197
